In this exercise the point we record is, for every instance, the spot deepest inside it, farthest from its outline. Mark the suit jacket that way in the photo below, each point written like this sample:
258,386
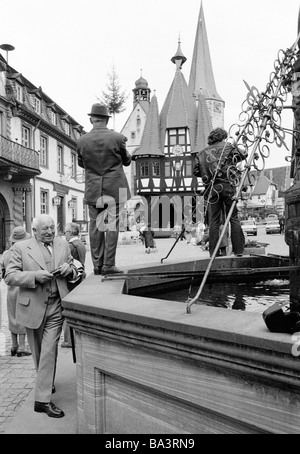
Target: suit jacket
25,261
102,153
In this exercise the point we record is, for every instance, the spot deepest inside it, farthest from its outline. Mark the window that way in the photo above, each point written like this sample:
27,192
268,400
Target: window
73,165
167,169
156,169
37,105
67,128
25,137
19,90
60,164
44,202
177,136
43,151
53,117
144,169
74,208
188,169
133,135
84,212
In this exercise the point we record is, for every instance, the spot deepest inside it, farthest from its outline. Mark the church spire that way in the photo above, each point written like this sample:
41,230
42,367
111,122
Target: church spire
201,75
179,59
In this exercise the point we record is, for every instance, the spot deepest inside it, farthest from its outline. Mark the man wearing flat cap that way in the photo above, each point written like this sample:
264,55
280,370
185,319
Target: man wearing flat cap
102,153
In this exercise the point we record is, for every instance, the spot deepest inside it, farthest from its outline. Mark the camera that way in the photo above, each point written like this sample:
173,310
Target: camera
56,272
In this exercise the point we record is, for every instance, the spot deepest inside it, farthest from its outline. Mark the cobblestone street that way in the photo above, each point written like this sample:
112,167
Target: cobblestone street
17,375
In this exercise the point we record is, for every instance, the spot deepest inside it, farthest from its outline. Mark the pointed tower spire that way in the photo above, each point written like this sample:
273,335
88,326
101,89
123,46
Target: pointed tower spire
179,59
201,75
179,109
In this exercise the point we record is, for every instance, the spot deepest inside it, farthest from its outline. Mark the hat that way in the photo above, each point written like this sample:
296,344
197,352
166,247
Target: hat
99,110
18,234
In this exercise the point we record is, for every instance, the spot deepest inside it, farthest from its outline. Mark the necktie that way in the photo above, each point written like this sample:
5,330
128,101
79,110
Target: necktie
49,248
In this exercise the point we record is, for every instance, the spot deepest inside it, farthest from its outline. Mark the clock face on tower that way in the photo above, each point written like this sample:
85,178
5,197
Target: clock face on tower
217,107
177,150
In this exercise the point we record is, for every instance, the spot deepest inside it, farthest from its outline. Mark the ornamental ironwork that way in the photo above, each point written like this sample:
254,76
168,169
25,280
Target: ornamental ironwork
259,126
15,153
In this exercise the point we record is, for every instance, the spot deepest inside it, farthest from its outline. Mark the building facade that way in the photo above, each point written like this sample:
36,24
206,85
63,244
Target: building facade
38,160
164,159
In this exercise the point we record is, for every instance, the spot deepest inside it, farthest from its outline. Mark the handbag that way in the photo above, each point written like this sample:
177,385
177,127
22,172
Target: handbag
278,321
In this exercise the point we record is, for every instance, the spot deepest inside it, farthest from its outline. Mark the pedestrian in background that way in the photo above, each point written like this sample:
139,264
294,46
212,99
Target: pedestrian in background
18,332
102,153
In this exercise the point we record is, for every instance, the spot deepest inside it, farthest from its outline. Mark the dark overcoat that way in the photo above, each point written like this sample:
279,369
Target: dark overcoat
102,153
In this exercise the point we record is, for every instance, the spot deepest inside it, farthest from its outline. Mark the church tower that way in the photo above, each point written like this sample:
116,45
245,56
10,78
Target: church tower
201,81
134,126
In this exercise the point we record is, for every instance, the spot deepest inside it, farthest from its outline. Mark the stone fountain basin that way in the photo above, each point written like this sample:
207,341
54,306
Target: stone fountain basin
146,366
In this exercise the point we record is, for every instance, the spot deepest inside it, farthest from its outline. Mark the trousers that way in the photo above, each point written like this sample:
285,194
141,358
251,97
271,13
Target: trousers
222,198
43,344
104,234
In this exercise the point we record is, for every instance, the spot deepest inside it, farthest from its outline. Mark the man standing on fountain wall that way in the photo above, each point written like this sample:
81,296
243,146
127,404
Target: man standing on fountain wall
102,153
211,165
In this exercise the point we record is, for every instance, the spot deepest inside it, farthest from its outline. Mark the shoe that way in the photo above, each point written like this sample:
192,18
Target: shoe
97,270
23,353
53,389
66,345
49,408
13,351
110,269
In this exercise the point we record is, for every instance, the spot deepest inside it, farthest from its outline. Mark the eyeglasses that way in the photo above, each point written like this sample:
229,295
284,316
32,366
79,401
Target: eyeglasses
67,231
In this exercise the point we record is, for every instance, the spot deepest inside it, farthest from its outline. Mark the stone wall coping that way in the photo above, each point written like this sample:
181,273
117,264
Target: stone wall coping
105,299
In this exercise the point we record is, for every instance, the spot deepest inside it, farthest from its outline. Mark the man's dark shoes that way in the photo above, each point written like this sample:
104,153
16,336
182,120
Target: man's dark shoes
110,269
23,353
97,270
49,408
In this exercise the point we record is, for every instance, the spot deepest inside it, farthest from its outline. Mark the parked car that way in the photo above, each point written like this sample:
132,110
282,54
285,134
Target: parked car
249,227
273,226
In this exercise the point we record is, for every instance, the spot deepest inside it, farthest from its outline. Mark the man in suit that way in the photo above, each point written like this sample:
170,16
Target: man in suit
41,290
102,153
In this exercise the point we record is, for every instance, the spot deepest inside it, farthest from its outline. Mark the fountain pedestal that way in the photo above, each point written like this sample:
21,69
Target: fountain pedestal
145,366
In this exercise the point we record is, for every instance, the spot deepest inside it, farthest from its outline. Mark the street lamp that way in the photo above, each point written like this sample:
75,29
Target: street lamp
7,48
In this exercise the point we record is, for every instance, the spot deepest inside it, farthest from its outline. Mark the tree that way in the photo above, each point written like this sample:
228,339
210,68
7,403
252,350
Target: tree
115,97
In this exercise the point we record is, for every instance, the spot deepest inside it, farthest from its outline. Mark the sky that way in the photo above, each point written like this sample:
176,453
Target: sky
69,47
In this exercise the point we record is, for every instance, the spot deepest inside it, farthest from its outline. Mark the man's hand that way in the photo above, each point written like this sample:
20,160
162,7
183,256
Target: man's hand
43,276
65,270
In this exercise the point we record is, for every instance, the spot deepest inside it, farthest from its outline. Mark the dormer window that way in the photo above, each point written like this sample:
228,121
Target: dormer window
66,127
53,117
37,105
20,94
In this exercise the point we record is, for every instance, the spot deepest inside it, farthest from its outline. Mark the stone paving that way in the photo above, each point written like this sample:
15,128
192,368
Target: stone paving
17,375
